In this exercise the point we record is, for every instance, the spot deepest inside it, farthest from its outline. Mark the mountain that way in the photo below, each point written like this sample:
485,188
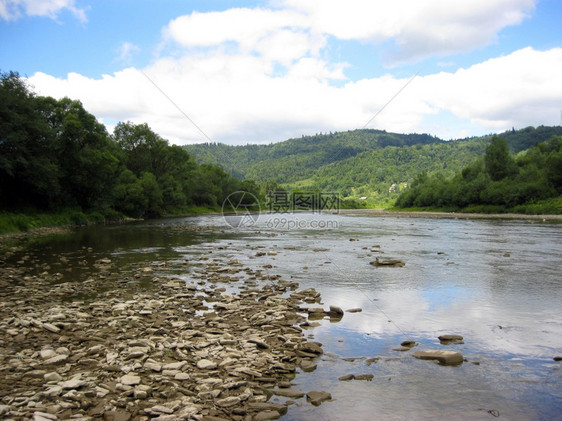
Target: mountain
358,163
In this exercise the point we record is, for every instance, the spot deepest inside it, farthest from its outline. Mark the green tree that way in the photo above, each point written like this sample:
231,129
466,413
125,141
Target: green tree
499,163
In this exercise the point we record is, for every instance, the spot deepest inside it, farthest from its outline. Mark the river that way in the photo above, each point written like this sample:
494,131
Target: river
497,283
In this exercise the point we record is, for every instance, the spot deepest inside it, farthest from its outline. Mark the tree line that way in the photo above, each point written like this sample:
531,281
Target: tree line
497,181
55,155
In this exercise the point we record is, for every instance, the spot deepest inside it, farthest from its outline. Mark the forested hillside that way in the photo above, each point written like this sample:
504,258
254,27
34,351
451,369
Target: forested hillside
496,182
359,163
294,159
55,157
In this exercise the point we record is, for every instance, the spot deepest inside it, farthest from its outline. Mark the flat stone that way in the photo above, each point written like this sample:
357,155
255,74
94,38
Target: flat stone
443,357
355,310
311,347
266,416
130,380
367,377
174,366
51,327
289,393
450,338
4,409
40,416
182,376
59,358
316,398
153,366
45,354
206,364
308,366
74,383
162,409
558,358
346,378
227,402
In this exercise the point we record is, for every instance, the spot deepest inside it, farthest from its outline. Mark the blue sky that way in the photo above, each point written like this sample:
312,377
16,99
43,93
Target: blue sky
265,71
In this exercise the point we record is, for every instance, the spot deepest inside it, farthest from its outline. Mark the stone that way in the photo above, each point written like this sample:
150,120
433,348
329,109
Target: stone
395,263
182,376
558,358
408,343
335,311
59,358
51,327
311,347
130,380
161,409
308,365
153,366
367,377
4,409
174,366
355,310
45,354
205,364
74,383
41,416
227,402
266,416
346,378
451,339
316,398
443,357
289,393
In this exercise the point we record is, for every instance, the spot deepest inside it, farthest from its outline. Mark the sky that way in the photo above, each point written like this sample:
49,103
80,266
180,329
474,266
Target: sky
241,72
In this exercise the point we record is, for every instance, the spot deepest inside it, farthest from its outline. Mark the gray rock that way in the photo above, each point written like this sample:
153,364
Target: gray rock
316,398
205,364
289,393
266,416
443,357
355,310
51,327
74,383
4,409
227,402
451,339
59,358
45,354
367,377
308,365
130,380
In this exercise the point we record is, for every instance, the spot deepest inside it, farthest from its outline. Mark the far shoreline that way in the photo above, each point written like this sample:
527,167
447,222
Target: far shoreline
452,215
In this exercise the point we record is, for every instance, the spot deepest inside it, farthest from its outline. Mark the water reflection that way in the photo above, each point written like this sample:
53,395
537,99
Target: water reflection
495,282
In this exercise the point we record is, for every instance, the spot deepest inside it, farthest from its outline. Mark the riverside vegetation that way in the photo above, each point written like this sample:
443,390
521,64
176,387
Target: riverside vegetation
58,165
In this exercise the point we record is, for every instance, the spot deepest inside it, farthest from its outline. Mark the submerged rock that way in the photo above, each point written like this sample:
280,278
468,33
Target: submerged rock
443,357
316,398
387,262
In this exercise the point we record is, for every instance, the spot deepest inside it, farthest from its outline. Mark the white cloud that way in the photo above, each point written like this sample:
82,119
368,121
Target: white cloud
127,51
417,28
238,99
11,10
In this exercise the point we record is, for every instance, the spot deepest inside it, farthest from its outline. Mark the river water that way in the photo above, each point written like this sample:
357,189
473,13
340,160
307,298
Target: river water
497,283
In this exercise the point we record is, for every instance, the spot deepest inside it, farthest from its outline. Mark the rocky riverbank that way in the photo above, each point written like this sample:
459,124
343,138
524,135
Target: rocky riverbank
107,348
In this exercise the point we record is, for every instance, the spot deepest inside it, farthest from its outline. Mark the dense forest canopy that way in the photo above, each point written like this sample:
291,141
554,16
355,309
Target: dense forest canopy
361,163
55,155
497,181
